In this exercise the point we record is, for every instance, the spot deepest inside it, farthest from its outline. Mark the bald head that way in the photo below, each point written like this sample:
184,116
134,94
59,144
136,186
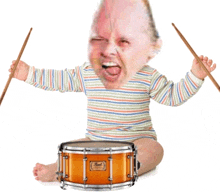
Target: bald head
119,9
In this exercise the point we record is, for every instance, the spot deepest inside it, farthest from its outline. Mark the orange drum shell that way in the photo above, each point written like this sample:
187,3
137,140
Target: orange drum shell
120,168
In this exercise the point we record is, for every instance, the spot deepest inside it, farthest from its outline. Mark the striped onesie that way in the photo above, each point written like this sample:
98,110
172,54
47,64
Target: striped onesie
121,114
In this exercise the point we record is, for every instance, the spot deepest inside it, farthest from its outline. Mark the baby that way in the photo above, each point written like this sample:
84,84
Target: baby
118,81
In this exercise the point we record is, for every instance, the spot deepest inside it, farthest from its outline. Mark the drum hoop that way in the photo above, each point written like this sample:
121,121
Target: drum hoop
96,152
64,146
87,187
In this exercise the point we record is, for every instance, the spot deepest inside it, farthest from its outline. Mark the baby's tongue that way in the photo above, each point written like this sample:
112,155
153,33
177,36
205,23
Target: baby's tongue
113,70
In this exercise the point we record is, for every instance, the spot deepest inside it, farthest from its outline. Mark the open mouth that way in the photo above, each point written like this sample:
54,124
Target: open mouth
111,71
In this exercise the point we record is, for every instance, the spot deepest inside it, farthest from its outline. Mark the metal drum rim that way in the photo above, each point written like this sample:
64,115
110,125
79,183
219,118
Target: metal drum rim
108,187
97,152
64,146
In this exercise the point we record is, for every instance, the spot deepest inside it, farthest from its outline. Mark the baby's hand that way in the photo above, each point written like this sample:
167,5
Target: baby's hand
197,69
21,71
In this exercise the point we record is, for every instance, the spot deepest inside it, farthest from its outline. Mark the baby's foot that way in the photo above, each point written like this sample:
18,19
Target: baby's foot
45,173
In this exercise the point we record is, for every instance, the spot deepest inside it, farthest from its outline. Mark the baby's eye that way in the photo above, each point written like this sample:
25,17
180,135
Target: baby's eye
124,42
97,39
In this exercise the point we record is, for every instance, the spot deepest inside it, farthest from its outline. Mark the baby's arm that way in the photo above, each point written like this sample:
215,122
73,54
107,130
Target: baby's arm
173,94
49,79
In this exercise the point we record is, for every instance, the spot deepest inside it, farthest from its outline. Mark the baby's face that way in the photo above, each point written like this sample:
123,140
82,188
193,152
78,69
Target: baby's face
120,45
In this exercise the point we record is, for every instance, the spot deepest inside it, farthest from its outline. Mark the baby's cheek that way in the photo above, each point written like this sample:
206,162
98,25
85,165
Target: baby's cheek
94,51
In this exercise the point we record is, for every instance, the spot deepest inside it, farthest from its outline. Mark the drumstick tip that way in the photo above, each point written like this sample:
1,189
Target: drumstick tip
173,24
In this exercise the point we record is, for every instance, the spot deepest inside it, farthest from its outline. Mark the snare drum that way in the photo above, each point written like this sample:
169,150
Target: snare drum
97,165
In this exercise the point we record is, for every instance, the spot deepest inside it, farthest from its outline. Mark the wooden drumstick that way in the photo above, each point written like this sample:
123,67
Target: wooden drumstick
16,64
197,58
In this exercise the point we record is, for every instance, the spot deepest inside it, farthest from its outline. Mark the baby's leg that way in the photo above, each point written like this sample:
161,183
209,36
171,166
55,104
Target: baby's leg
47,173
150,154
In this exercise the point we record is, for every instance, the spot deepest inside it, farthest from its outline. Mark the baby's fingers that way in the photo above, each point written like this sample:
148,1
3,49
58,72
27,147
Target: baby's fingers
205,59
11,68
13,64
201,57
209,62
213,68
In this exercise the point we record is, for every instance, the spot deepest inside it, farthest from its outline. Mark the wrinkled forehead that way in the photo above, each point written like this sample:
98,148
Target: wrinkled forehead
116,15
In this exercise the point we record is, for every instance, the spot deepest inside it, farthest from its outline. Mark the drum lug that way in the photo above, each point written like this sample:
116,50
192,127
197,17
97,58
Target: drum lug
111,167
59,173
131,166
110,159
136,164
58,167
84,167
64,166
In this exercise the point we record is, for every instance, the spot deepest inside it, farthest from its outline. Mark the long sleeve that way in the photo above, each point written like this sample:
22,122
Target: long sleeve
67,80
173,94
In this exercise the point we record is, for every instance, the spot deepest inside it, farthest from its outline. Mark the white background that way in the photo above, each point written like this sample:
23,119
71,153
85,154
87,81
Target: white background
34,122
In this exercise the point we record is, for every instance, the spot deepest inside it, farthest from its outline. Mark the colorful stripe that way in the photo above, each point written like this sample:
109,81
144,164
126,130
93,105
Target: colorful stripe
121,114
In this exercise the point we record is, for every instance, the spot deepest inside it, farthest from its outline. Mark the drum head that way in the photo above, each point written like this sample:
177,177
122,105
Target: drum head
97,146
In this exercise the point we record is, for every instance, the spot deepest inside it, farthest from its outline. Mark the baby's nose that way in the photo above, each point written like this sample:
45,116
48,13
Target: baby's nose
110,50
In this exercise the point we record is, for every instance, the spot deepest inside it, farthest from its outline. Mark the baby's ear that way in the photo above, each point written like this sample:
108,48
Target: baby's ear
156,46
